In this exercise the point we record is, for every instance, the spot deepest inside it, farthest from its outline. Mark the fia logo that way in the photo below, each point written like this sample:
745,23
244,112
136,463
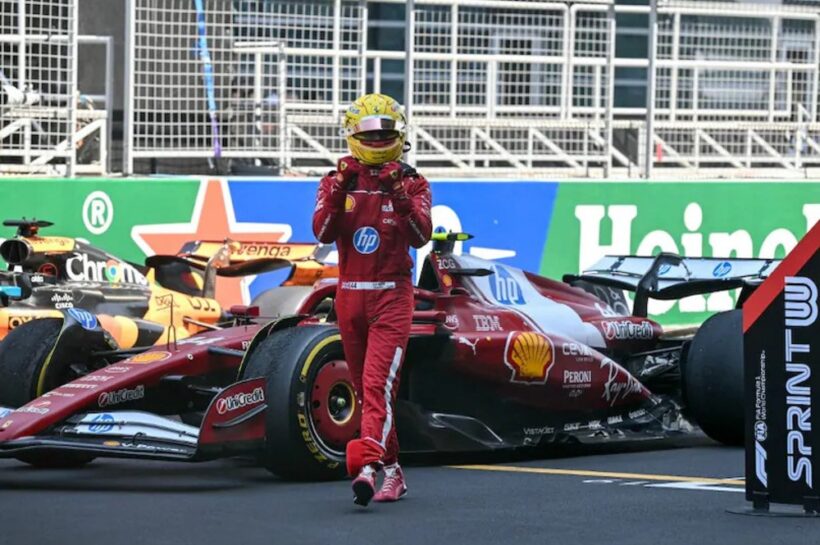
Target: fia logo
505,288
366,240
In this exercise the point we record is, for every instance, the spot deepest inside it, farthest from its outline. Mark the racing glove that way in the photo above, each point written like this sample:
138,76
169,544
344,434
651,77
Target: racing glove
410,194
391,178
348,169
330,199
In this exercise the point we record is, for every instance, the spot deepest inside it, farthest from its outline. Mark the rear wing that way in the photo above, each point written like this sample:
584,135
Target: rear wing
670,276
240,251
231,258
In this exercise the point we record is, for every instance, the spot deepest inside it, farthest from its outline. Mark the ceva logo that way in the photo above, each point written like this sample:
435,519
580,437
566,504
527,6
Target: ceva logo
505,289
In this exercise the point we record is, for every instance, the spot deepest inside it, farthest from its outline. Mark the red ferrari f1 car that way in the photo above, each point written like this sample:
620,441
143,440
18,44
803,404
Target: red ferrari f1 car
498,358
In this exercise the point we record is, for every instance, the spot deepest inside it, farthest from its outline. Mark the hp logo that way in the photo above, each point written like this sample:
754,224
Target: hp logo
102,423
83,317
722,269
504,287
366,240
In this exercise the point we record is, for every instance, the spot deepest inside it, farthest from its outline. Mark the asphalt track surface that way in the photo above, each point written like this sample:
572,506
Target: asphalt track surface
661,494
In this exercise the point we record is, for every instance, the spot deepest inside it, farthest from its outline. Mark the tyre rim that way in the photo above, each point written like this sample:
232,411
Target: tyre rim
335,413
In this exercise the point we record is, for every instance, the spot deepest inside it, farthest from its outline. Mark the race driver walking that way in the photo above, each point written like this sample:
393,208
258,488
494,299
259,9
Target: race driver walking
374,208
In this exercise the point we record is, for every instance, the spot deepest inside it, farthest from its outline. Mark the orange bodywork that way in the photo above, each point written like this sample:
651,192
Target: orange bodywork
180,315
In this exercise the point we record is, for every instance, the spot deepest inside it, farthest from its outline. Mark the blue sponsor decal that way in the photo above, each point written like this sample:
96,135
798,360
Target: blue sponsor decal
505,288
102,423
366,240
722,269
11,291
83,317
510,221
663,269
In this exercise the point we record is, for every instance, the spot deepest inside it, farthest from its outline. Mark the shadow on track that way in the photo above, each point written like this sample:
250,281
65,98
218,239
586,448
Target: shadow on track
558,451
108,475
129,476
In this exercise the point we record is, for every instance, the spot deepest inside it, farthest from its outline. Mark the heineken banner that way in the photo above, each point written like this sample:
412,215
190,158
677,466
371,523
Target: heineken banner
781,345
548,227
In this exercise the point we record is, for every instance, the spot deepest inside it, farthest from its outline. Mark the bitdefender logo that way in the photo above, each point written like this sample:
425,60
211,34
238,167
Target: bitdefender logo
800,296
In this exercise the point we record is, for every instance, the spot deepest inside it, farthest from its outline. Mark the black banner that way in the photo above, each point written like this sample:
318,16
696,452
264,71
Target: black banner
781,343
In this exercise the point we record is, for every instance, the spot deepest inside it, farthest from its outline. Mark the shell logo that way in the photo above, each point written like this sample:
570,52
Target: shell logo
350,203
148,357
530,356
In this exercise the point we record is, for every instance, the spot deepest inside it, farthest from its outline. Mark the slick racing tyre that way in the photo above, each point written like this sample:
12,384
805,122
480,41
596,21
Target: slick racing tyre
713,378
312,407
23,354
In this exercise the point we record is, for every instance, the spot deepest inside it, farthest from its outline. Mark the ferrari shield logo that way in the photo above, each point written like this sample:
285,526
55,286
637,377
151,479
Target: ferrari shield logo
530,356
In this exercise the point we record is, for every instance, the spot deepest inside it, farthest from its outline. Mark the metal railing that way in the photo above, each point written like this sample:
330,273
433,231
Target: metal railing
491,87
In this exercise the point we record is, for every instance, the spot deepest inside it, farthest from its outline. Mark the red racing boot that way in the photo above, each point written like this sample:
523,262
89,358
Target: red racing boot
364,486
393,487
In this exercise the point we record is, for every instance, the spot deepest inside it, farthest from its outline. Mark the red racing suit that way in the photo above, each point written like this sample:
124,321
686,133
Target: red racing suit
373,223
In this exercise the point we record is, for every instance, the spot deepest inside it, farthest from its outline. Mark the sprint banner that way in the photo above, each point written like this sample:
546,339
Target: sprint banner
552,228
781,338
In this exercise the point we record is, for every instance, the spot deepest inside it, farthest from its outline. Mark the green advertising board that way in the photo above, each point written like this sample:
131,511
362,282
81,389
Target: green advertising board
103,211
703,219
550,227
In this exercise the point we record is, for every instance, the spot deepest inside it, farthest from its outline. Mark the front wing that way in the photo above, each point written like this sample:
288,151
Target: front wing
233,424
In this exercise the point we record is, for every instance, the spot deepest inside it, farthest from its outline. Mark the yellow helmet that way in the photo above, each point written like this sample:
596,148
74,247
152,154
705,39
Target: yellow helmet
374,127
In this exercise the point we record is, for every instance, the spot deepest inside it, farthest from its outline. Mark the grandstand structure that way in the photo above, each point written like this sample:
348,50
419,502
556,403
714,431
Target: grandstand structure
492,88
46,125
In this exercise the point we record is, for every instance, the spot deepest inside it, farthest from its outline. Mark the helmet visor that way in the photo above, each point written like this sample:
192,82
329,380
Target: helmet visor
374,123
376,136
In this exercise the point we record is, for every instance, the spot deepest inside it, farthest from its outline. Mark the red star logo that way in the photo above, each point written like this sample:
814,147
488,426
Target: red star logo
213,218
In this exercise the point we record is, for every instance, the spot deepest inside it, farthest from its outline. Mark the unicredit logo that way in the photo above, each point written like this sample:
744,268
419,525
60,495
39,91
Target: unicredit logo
627,330
237,401
121,396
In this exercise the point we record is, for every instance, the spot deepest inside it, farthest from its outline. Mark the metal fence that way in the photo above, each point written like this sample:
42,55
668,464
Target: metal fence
38,39
46,125
491,87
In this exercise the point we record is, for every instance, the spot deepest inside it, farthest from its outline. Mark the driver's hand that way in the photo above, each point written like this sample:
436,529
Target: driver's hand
391,177
347,170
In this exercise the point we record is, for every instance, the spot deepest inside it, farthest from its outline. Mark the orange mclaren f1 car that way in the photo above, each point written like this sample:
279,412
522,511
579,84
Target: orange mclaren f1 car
171,297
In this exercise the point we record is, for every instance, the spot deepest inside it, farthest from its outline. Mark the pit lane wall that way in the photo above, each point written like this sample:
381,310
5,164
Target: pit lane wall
550,227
